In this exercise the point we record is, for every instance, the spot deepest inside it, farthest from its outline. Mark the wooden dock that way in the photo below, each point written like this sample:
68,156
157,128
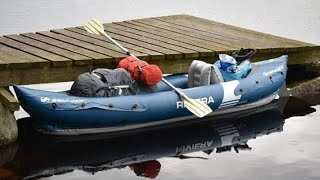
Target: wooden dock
171,42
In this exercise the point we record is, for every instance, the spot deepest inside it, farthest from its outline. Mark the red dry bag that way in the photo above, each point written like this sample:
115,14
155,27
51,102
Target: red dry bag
149,74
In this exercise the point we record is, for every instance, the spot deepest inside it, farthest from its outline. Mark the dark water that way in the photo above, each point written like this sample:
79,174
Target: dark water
278,141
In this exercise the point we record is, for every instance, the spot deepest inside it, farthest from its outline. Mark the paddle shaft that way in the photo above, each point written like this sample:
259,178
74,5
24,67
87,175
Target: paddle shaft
116,43
197,107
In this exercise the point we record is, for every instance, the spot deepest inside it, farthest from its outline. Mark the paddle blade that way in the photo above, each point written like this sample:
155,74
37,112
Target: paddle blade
96,22
91,30
197,107
94,26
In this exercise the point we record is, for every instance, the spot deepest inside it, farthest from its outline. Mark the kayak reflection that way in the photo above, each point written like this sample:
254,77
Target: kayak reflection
40,155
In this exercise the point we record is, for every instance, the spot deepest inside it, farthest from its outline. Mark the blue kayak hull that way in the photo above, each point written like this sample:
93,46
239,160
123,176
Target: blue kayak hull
63,114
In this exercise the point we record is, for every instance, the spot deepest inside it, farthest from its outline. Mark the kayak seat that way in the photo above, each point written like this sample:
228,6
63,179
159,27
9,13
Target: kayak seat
201,74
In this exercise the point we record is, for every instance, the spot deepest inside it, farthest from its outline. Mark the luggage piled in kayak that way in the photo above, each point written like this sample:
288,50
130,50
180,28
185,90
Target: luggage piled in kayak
236,66
131,77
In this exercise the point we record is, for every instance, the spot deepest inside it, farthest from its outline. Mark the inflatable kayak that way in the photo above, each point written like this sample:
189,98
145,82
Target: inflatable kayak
60,113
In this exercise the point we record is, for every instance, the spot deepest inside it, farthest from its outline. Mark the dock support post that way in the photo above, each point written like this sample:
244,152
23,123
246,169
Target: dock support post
8,123
8,127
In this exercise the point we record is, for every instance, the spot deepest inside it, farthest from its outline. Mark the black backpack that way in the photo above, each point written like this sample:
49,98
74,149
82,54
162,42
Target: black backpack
104,83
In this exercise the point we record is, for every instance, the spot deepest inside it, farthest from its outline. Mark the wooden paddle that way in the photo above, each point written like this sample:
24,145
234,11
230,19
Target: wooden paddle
195,106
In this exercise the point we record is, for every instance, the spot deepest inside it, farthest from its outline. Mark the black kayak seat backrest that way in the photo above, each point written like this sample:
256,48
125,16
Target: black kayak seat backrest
201,74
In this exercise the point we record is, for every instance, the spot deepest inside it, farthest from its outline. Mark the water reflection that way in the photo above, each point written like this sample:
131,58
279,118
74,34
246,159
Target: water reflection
42,156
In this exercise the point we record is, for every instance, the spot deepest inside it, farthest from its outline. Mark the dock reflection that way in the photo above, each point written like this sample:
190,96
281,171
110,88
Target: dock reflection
41,156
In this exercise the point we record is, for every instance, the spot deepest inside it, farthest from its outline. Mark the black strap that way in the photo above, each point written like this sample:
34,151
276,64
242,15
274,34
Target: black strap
244,54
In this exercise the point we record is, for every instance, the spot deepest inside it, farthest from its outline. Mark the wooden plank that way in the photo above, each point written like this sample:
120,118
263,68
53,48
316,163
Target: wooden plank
167,34
206,27
116,55
3,64
7,58
77,58
92,56
159,24
237,37
9,100
169,54
21,59
294,42
186,19
174,35
47,74
132,48
13,61
241,35
224,40
97,42
214,44
202,51
55,60
186,52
